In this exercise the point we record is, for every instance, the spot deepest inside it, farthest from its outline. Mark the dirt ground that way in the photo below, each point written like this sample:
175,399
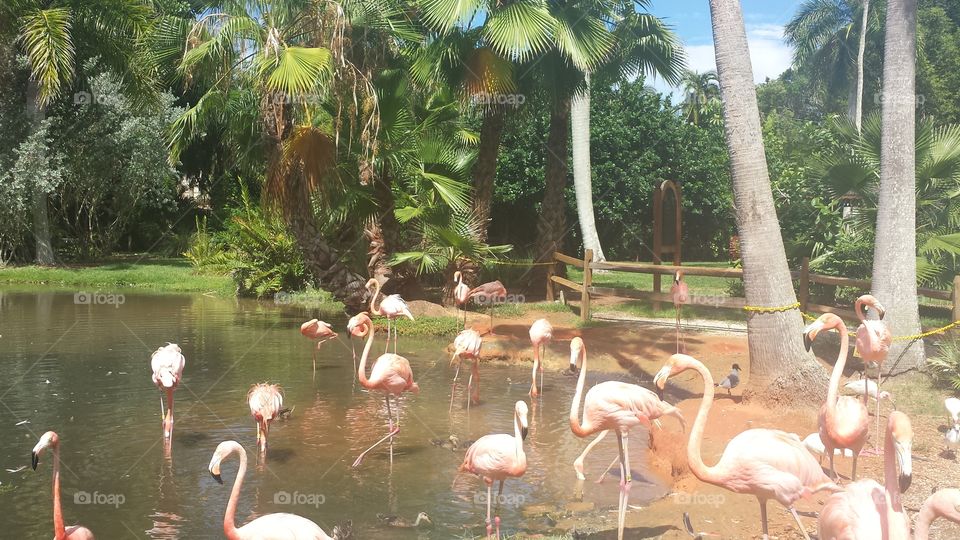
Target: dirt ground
641,349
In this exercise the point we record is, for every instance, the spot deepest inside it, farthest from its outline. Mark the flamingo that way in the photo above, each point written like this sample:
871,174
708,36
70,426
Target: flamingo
391,374
167,364
681,296
391,307
944,503
766,463
637,399
866,387
318,331
489,293
541,332
273,526
873,340
952,405
461,295
617,406
265,402
813,443
355,328
74,532
467,345
843,420
867,510
498,457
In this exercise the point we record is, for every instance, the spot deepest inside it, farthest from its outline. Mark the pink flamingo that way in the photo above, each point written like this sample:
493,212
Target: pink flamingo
391,307
612,405
873,342
944,503
498,457
268,526
467,345
867,510
265,402
844,421
355,328
766,463
167,364
318,331
489,294
73,532
680,296
391,374
461,295
541,332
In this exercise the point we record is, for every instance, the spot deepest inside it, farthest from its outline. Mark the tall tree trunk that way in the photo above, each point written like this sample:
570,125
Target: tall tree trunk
580,142
41,222
778,363
552,222
895,250
485,168
858,109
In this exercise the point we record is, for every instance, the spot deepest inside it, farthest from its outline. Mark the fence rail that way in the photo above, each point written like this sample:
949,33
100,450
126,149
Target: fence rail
804,277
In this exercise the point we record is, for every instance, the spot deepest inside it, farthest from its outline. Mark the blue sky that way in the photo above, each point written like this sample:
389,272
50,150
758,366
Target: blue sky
764,20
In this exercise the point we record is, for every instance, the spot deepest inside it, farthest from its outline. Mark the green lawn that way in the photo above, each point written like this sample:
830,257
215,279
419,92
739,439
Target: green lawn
626,280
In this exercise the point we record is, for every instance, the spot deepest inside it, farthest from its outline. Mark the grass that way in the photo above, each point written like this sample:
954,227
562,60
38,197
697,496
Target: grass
627,280
164,275
422,326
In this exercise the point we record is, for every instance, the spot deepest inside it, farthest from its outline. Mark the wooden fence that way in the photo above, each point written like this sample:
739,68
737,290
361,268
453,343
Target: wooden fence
587,289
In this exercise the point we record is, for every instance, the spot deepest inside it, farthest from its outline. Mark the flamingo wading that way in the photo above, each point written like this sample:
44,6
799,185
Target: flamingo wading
60,532
167,364
265,401
318,331
467,345
680,295
541,332
391,307
461,295
765,463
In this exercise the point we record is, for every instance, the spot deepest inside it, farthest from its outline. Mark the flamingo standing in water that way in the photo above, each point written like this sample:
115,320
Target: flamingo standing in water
942,504
391,307
391,374
498,457
680,296
467,345
766,463
873,341
461,295
489,294
617,406
867,510
541,332
278,526
265,402
843,420
318,331
167,364
60,532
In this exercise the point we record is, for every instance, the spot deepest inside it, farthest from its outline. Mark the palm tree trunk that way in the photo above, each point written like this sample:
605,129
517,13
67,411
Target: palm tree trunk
778,363
485,168
41,222
895,251
858,109
552,222
580,142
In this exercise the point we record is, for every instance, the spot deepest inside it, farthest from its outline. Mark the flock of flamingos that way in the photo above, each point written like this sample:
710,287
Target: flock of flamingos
765,463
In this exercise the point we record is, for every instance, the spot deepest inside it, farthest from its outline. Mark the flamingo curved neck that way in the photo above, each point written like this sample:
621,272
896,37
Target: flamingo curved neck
695,460
229,525
59,531
517,435
578,429
362,369
858,308
927,516
833,390
890,480
374,309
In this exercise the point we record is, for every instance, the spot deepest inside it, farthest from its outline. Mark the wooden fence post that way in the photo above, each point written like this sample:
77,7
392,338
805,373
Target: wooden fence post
804,292
587,283
550,271
956,298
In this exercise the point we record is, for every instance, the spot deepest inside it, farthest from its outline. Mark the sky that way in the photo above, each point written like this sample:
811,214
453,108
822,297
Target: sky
764,20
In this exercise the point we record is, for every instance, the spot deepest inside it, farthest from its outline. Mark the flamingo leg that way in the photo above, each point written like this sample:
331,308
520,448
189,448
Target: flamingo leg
469,385
386,347
878,408
624,486
489,494
578,463
678,329
475,396
853,472
376,444
763,518
800,525
168,419
453,389
496,518
390,424
542,356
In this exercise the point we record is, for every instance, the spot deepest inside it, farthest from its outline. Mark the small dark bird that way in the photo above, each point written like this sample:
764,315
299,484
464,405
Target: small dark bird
732,380
397,521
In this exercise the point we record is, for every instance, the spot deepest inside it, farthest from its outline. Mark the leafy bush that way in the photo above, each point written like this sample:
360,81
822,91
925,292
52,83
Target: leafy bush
945,367
206,252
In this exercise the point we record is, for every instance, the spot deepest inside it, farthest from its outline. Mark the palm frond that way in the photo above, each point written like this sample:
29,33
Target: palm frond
46,38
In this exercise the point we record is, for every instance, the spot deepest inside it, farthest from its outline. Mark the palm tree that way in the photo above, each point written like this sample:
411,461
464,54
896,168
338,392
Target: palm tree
582,184
825,34
777,355
699,90
895,252
50,33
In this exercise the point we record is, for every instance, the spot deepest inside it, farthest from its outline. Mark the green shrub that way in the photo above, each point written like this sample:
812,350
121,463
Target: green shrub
945,366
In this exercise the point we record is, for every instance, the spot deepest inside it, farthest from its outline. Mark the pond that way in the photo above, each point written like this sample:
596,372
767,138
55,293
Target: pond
83,370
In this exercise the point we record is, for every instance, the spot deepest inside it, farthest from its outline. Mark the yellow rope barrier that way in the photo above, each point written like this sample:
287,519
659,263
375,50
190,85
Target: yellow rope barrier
761,309
911,337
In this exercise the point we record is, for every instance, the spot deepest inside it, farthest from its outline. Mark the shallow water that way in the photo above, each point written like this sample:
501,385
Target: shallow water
83,370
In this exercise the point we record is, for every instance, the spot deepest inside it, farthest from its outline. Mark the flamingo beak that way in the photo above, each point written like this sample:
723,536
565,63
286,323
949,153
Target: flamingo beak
906,465
34,460
810,333
523,432
660,380
881,312
217,477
